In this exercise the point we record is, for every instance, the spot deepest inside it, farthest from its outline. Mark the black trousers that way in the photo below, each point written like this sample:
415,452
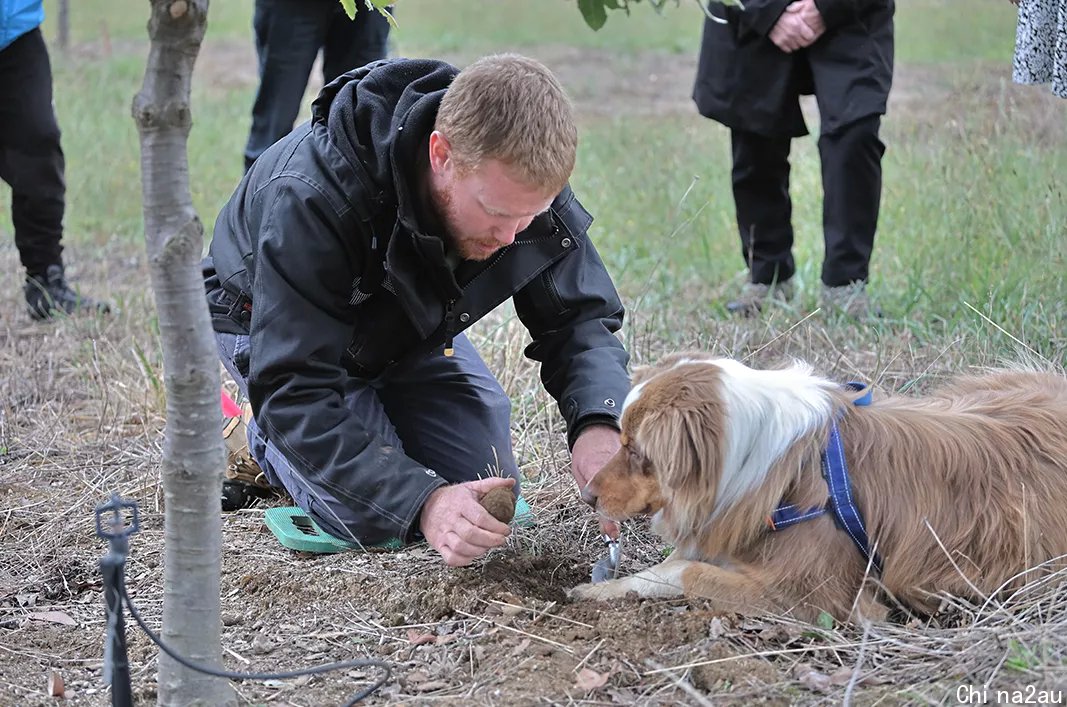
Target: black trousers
31,159
289,35
852,191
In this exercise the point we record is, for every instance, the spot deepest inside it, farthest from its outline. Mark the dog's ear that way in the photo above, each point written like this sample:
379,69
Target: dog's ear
641,374
683,445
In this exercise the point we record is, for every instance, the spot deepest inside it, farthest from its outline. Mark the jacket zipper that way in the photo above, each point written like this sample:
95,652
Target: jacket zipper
450,321
450,314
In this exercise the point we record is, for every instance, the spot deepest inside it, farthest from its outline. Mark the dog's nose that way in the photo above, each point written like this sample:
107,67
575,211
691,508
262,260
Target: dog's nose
588,496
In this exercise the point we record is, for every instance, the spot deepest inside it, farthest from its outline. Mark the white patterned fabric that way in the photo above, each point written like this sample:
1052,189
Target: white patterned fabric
1041,45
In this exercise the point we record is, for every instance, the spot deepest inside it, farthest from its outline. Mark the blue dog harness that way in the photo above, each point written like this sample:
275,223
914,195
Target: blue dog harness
840,502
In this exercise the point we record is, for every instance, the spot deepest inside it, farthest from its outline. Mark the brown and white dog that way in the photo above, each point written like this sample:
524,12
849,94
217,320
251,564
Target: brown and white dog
962,492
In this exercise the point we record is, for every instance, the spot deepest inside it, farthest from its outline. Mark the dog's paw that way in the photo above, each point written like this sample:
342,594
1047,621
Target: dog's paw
601,591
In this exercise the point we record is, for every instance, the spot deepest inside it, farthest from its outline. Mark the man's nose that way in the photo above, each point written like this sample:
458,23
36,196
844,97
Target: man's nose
588,496
506,236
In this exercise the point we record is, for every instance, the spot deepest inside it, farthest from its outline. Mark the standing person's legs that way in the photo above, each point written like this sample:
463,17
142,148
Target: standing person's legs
852,191
764,209
289,34
452,415
351,44
31,159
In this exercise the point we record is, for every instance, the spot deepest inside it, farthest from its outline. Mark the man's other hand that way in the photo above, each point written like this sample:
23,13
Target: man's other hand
455,524
792,32
594,447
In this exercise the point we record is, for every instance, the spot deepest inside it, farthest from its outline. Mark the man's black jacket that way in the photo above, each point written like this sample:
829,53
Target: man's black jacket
319,257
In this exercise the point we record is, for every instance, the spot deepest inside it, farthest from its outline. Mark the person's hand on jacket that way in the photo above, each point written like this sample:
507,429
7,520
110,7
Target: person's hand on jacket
799,26
595,445
457,526
809,12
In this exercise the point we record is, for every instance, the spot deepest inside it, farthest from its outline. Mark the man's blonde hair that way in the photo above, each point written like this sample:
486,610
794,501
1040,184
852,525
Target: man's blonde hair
511,108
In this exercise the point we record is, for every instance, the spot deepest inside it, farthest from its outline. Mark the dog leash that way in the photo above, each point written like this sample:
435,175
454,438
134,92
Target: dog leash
840,503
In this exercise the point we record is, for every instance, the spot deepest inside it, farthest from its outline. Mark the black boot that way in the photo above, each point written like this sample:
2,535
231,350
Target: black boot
49,294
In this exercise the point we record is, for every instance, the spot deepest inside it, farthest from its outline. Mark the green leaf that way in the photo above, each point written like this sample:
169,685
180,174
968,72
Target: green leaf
825,621
382,6
594,12
350,8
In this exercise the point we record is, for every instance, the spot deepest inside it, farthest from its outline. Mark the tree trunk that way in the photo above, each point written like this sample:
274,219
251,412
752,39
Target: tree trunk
64,25
193,455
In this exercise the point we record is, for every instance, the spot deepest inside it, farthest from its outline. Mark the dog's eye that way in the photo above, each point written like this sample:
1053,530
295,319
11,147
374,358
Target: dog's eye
637,461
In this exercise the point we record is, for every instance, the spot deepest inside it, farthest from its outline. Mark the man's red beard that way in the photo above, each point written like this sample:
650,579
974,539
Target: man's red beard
467,248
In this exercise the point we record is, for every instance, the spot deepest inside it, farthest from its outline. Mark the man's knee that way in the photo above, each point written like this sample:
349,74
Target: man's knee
498,407
860,133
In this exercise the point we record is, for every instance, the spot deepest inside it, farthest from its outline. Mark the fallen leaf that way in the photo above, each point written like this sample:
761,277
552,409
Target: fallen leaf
842,675
55,685
777,634
417,639
811,678
416,677
521,648
589,679
55,617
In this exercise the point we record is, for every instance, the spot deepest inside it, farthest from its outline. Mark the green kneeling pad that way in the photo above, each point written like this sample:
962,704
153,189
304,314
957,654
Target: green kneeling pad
297,531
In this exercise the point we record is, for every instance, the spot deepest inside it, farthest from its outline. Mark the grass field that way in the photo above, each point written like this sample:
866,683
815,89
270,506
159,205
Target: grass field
968,265
972,208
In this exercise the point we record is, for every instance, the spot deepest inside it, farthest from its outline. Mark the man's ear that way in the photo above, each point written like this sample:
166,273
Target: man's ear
440,153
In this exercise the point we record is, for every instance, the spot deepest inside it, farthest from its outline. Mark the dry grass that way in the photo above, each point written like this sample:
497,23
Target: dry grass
82,416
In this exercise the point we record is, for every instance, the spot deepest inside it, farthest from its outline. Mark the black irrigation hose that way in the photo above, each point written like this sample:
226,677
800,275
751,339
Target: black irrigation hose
359,663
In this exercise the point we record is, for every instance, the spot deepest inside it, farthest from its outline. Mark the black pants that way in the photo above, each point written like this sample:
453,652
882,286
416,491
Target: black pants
31,160
289,34
852,191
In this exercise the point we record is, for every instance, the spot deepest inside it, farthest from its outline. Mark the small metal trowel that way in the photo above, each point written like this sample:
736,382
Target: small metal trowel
607,567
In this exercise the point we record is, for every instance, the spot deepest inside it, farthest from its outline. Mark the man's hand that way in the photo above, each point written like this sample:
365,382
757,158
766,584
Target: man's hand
809,12
457,526
792,31
594,447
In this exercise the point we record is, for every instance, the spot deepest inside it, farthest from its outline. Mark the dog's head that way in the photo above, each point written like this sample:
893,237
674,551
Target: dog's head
672,439
707,431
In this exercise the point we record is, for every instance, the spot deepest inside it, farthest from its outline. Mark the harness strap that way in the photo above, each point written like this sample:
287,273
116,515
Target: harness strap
788,514
840,503
847,515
